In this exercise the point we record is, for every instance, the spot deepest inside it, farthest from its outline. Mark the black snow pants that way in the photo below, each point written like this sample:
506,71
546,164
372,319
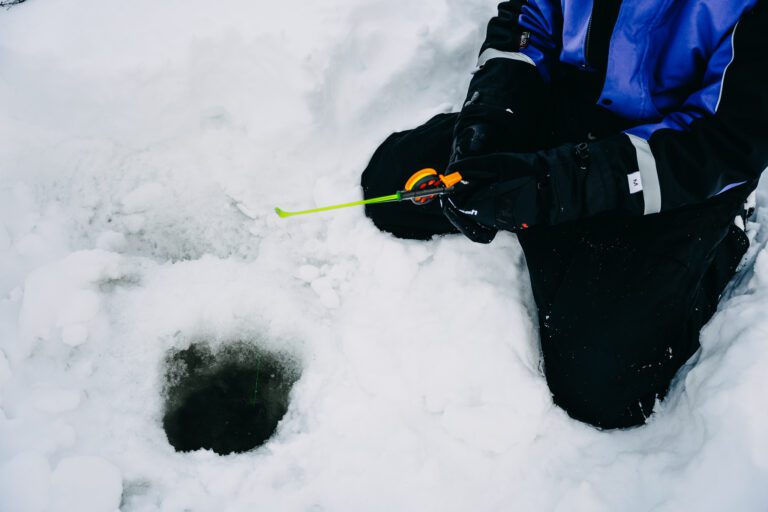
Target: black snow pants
621,301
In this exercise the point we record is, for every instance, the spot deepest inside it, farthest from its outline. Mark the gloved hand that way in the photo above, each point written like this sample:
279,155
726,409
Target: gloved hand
497,116
515,191
478,131
482,129
466,224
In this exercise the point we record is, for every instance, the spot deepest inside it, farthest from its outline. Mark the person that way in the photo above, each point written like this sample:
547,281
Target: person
619,141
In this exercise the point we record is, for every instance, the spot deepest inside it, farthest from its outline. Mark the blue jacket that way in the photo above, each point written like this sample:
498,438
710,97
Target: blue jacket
667,58
687,78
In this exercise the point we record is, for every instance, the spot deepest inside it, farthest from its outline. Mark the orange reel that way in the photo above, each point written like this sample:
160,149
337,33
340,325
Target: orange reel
426,179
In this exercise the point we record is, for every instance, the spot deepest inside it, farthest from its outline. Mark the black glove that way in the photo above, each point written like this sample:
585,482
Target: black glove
506,109
477,131
503,112
465,224
515,191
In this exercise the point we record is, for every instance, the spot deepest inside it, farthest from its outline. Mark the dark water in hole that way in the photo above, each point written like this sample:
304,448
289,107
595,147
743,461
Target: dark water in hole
229,401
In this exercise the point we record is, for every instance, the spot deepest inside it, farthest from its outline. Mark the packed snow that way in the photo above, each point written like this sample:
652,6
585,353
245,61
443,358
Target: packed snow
143,148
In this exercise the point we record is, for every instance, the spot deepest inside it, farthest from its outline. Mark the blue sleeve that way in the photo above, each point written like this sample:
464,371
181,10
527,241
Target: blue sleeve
718,139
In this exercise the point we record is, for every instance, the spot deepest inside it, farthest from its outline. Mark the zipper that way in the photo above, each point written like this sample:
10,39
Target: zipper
586,43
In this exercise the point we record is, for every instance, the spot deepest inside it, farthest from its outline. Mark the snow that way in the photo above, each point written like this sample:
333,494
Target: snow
87,484
144,147
25,482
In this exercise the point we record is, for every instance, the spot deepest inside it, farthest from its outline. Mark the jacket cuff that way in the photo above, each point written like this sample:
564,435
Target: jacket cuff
506,83
588,179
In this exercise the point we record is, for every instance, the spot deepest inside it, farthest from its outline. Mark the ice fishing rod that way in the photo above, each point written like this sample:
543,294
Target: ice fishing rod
421,188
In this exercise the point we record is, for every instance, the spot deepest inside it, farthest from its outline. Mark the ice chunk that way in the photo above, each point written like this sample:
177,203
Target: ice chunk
243,208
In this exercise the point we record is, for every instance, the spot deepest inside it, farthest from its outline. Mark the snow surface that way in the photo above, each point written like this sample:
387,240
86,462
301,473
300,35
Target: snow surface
144,145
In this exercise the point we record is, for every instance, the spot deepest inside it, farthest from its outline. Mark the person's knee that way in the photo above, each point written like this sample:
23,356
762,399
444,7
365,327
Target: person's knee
403,153
378,174
384,175
380,177
602,409
595,389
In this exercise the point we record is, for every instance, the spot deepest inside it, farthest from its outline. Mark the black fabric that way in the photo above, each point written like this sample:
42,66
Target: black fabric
401,155
504,30
512,102
515,191
576,117
621,300
507,109
469,227
621,304
601,24
576,89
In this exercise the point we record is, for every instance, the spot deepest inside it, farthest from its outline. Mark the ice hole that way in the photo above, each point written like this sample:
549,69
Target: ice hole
228,401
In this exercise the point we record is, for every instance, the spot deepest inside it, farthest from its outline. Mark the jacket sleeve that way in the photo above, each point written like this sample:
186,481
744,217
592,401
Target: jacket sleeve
528,31
718,140
510,84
